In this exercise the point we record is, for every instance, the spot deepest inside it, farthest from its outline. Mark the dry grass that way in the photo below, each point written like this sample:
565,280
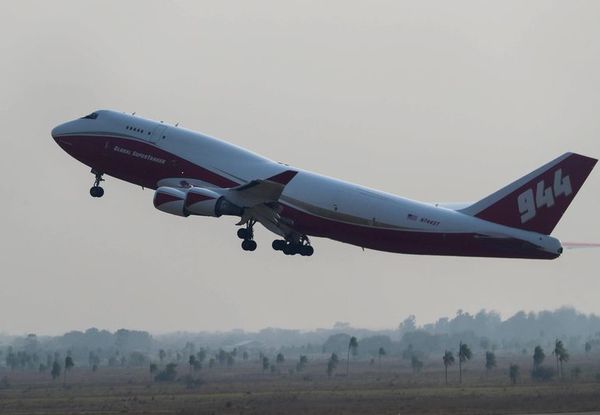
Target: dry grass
391,389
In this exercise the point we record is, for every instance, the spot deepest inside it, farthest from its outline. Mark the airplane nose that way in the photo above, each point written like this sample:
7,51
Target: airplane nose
60,130
61,137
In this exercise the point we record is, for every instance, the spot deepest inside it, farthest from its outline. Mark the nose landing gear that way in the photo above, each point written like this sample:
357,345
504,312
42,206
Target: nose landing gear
96,190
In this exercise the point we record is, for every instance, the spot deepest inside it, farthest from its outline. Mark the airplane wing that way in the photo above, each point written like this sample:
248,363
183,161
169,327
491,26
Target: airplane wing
259,199
260,191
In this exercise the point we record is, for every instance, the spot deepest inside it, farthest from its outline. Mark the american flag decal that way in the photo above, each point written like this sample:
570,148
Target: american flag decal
411,217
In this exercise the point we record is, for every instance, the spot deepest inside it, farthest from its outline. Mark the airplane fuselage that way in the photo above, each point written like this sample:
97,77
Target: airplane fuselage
155,154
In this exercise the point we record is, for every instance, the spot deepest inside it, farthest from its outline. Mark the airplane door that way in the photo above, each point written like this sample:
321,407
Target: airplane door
159,134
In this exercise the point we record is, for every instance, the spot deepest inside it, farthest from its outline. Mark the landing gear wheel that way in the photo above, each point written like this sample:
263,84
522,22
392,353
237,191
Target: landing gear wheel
306,250
290,249
242,233
247,234
278,244
248,245
294,244
96,191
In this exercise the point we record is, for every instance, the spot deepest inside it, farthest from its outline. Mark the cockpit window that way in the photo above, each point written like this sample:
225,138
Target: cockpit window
91,116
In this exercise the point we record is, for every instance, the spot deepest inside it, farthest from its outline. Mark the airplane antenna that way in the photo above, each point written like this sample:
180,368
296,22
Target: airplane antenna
133,113
176,124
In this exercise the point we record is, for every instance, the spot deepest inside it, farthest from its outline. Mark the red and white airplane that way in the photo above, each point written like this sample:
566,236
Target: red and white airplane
195,174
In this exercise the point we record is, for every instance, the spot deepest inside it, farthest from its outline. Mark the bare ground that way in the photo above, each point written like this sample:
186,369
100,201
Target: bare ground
392,389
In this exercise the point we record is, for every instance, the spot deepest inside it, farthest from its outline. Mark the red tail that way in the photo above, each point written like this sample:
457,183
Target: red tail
537,201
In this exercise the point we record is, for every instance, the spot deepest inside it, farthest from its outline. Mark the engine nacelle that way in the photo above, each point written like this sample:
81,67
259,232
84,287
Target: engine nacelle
194,201
170,200
206,202
203,202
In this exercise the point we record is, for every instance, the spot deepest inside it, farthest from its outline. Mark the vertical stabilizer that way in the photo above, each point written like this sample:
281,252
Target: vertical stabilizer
537,201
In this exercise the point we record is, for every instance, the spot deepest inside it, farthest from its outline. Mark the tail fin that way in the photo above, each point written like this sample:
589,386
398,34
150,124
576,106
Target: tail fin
537,201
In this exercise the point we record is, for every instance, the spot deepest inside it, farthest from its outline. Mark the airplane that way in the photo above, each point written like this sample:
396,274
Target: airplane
195,174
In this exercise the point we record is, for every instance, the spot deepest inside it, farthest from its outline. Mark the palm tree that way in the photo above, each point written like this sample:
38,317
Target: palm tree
464,354
230,360
332,364
561,354
301,363
153,370
538,359
380,353
556,352
201,355
513,373
490,360
192,362
564,357
448,361
416,364
68,365
55,370
352,345
280,358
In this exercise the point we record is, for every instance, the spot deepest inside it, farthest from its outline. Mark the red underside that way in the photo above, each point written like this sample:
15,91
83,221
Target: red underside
407,242
100,154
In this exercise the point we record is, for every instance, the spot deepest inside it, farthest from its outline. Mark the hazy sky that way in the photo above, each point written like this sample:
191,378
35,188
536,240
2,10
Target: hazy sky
436,101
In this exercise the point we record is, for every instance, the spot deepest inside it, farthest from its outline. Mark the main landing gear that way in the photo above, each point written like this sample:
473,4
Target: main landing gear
247,236
96,190
291,247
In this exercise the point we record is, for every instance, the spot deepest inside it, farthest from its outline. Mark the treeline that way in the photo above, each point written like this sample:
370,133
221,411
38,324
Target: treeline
563,322
518,333
483,331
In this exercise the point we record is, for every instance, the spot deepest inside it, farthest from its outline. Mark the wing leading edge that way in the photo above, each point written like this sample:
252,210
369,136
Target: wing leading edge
261,191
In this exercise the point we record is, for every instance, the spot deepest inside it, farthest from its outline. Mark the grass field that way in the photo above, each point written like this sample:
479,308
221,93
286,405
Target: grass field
391,389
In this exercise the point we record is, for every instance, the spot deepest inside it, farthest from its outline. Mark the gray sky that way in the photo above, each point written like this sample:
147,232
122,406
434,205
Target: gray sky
436,101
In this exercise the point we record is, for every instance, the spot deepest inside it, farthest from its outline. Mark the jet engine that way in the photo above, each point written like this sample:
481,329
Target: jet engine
194,201
200,201
170,200
205,202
